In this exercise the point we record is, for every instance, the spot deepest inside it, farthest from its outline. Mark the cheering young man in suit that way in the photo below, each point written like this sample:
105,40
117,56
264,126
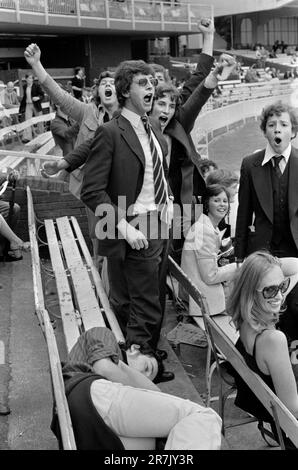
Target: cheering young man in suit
268,199
125,177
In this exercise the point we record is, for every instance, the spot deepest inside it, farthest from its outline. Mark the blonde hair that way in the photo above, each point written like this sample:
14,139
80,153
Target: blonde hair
243,304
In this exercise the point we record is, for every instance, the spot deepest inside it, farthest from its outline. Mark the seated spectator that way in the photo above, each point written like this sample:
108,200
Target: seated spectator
255,305
16,245
117,407
201,252
5,119
9,97
230,181
251,75
206,166
11,217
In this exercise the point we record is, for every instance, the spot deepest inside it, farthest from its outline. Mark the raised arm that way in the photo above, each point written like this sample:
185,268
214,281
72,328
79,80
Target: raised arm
205,62
68,103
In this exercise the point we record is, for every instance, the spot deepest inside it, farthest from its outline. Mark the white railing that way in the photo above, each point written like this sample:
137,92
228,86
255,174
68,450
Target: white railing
134,11
233,93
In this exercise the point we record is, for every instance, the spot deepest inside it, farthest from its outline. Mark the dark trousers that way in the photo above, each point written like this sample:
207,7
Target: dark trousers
135,292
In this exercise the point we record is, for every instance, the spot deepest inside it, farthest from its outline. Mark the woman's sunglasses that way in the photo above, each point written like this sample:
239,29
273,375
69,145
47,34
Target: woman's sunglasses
144,81
271,291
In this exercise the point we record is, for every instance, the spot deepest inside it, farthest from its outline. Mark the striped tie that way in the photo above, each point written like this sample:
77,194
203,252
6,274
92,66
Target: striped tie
160,189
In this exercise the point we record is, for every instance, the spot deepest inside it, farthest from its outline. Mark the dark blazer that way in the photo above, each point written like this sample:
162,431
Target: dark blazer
36,90
114,168
184,158
256,197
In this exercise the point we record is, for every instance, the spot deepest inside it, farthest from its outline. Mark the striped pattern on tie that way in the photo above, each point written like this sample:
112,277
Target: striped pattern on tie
160,189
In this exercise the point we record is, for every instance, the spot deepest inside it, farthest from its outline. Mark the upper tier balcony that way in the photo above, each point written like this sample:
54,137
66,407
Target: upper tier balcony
99,16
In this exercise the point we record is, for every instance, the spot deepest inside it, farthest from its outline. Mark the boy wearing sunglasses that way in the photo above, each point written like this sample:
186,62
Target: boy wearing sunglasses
125,185
267,216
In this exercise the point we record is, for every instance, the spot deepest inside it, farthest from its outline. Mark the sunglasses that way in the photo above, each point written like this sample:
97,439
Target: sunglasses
271,291
144,81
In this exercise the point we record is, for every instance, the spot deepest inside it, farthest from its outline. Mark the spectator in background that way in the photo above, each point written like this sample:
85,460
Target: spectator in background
161,73
9,97
31,105
264,56
258,56
9,100
206,166
95,84
78,83
64,131
68,87
251,75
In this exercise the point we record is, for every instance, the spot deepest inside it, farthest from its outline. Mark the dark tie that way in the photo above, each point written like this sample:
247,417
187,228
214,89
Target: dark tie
160,189
106,117
277,159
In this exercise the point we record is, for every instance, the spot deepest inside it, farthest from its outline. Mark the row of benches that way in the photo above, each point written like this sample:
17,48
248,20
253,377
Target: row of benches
84,304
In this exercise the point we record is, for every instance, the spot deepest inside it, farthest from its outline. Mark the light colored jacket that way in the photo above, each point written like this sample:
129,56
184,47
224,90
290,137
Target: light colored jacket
199,262
87,115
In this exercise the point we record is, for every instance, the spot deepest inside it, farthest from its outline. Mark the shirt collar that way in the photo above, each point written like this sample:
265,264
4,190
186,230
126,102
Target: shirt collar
132,117
269,153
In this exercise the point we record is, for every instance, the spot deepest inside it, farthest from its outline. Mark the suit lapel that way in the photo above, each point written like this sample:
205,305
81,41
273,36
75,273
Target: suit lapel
293,183
261,177
131,138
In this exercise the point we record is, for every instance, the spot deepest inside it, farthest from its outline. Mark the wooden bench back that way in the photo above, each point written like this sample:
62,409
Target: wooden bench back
66,429
220,341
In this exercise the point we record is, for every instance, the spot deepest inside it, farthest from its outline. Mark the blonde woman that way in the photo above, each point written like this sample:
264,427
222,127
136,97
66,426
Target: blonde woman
255,305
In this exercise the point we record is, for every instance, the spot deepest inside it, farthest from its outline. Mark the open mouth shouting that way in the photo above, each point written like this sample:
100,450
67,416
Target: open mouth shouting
148,98
277,140
108,93
163,120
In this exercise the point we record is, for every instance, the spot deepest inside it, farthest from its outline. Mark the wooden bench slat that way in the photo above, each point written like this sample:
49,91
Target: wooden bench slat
36,273
64,418
41,139
111,317
65,424
68,315
85,295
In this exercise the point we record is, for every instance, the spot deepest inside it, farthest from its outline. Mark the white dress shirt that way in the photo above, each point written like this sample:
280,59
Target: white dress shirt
270,153
146,199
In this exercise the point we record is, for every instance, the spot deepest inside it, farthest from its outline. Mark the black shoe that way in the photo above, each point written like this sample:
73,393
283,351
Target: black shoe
161,354
162,374
4,410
